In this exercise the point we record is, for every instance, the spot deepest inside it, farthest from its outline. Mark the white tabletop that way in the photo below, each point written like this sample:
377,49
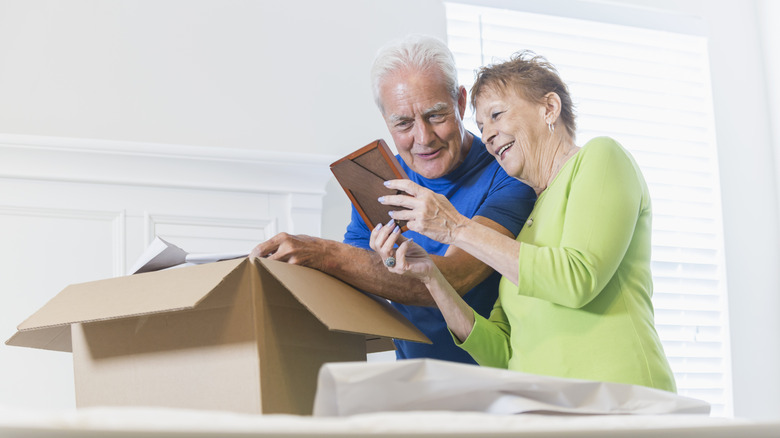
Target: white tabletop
169,423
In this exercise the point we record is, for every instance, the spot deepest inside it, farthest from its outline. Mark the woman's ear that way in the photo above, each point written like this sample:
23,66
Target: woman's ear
552,107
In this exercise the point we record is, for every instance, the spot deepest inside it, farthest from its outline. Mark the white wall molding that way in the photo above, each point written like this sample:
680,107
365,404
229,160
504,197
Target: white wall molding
116,219
162,165
152,223
7,210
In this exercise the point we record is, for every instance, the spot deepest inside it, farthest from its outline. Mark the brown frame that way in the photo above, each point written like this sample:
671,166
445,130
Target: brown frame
362,173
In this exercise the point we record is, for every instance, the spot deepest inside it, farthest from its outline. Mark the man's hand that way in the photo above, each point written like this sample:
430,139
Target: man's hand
294,249
364,269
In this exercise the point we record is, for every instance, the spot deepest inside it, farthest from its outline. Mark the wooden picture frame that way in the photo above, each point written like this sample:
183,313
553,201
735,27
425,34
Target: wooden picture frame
362,175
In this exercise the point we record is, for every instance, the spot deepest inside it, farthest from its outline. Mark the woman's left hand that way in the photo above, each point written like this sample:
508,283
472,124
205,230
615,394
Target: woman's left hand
428,213
412,260
408,259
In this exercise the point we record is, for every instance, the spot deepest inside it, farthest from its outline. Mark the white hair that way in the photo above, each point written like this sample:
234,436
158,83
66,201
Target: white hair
416,52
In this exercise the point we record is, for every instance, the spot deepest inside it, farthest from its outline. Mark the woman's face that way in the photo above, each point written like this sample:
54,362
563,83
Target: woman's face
511,127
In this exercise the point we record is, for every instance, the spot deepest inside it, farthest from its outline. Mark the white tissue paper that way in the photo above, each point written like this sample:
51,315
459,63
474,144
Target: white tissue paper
350,388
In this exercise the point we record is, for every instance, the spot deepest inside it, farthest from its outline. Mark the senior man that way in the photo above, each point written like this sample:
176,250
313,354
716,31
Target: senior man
416,88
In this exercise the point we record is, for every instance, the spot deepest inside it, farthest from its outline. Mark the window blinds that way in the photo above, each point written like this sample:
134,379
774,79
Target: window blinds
649,90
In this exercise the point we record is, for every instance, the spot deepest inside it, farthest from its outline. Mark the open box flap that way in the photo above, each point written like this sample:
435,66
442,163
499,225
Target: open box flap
340,306
134,295
337,305
49,338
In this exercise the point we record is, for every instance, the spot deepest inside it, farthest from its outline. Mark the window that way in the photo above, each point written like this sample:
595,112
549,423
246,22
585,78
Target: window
650,90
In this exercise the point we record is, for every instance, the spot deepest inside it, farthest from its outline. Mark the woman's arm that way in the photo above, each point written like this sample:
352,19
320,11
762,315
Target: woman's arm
603,204
458,315
433,215
363,269
487,341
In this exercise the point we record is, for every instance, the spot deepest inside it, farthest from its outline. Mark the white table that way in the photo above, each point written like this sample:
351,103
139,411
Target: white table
174,423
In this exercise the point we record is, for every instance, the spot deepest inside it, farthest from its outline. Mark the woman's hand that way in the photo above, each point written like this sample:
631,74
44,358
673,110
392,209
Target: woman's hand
411,259
429,213
408,259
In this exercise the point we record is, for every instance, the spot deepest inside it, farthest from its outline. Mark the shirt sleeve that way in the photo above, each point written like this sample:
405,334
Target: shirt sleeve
488,343
357,233
605,200
509,202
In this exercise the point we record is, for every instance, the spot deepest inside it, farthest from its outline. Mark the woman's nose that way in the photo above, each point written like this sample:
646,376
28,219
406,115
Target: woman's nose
488,136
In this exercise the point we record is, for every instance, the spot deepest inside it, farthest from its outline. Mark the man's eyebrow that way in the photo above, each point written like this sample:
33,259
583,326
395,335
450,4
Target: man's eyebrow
439,107
395,118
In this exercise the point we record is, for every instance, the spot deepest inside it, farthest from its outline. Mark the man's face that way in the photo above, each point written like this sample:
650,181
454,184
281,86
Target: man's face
425,121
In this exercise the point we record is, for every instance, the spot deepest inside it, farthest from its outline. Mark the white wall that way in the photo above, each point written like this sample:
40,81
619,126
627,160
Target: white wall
292,76
767,12
269,75
276,76
121,117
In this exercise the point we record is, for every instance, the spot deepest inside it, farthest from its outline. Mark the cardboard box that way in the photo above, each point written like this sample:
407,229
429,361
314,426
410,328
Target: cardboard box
239,335
362,175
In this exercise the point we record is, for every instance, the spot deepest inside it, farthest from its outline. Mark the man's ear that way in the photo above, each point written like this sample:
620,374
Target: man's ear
552,107
462,101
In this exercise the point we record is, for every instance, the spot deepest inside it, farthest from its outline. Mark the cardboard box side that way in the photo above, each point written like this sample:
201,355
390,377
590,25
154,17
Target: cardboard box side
378,345
196,359
293,345
129,296
340,306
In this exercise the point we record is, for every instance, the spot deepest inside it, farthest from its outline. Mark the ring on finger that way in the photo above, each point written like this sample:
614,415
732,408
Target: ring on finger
390,262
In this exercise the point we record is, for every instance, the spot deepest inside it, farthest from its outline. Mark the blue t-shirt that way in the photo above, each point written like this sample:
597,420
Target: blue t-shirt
478,187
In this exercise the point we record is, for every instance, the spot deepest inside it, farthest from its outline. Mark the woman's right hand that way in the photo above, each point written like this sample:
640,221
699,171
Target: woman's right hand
412,260
409,258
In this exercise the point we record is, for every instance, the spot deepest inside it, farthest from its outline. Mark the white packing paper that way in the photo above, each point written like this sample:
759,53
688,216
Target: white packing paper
161,254
350,388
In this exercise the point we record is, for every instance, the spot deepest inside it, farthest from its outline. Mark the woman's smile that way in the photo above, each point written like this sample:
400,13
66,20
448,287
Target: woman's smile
503,149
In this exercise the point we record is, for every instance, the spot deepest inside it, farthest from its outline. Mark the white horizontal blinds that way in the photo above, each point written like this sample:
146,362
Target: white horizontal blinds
649,90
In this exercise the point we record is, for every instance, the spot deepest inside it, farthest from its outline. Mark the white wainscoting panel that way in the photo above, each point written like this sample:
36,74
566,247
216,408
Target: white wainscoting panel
209,234
76,210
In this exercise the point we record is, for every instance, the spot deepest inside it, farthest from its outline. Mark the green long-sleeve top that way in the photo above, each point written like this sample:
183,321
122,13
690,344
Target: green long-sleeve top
582,308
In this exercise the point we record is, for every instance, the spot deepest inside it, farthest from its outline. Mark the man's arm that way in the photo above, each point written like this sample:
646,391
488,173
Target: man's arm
365,270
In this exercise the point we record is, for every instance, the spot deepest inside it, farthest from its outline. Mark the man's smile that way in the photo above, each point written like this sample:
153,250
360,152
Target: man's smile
428,155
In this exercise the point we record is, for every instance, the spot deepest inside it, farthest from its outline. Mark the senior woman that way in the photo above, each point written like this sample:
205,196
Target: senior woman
575,297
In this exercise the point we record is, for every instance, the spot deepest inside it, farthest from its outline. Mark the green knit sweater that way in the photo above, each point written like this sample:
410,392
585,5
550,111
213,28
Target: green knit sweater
582,308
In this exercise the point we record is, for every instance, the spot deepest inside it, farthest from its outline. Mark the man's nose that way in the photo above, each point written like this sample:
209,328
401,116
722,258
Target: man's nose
423,133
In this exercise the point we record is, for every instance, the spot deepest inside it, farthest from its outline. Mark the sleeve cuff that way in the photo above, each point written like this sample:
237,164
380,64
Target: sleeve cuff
479,320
